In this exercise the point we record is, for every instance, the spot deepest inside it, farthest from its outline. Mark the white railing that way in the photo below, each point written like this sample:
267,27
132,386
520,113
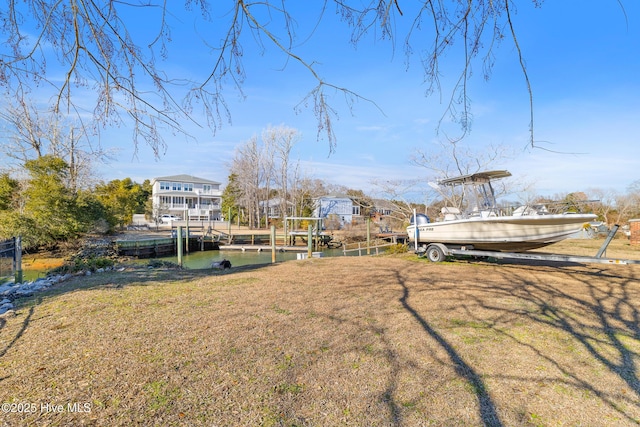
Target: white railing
199,212
183,207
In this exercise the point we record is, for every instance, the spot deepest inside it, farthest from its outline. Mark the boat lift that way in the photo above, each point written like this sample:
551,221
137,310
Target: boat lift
437,252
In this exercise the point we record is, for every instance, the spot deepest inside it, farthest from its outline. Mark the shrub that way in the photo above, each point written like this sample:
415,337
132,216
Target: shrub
397,249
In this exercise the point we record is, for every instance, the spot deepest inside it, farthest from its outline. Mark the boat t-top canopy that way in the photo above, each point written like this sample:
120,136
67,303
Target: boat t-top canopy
478,189
478,177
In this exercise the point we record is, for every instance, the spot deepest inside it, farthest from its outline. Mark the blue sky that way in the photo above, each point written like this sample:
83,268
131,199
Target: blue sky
583,60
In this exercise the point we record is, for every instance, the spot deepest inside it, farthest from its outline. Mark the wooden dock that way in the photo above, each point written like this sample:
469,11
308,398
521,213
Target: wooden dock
261,248
263,238
393,237
202,239
155,247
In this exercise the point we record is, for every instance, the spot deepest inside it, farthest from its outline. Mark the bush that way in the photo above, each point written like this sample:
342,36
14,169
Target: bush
397,249
85,264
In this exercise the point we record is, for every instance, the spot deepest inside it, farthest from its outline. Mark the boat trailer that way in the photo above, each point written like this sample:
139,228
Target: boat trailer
437,252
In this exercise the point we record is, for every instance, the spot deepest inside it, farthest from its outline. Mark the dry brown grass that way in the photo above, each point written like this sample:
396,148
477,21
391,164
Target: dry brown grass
380,341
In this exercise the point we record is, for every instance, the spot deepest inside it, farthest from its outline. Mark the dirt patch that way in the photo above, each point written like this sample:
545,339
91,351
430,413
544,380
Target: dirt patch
374,341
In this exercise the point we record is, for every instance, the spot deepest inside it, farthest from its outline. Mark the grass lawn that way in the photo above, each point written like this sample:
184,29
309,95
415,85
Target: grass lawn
363,341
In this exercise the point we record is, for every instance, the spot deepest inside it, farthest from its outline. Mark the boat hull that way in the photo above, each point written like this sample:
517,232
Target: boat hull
506,233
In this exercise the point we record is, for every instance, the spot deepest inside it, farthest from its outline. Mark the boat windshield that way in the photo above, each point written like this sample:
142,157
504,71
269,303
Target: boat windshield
477,192
481,196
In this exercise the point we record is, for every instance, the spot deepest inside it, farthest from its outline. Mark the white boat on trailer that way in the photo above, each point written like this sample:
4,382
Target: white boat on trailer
438,252
484,226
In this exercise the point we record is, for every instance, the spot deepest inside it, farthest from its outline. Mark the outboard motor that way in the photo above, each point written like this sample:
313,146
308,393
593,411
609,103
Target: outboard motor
420,219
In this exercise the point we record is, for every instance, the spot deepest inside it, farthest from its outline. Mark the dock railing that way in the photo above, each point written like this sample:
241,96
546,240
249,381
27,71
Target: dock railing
366,247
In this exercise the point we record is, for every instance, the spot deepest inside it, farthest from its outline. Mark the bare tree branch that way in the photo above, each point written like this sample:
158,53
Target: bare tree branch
96,49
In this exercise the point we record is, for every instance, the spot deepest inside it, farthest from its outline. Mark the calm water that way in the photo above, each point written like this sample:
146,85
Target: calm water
238,258
204,259
28,275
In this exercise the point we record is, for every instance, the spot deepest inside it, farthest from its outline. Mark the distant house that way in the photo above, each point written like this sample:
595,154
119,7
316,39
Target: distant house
271,208
381,208
187,196
344,209
382,215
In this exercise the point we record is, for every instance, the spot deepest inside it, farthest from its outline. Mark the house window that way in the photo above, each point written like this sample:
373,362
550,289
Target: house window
165,185
176,186
206,187
178,200
356,210
188,187
165,200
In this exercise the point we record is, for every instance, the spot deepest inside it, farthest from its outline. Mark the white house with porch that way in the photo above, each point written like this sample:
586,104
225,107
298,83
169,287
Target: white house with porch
185,196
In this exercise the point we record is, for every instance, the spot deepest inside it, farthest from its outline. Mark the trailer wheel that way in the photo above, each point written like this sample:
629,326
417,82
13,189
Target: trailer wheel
435,253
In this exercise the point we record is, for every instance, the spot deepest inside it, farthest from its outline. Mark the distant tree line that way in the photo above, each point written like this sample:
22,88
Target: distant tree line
45,208
264,178
46,198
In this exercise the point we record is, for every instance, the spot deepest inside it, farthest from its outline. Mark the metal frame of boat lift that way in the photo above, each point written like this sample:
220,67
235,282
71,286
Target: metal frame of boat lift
437,252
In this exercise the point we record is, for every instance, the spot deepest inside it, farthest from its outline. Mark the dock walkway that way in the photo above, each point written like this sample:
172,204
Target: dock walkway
262,248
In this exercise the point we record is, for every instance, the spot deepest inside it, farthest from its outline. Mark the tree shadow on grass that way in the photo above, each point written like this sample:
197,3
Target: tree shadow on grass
597,307
608,317
23,327
109,280
488,413
139,276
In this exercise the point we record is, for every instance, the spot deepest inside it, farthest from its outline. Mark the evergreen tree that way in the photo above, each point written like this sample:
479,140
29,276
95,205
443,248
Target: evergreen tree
122,199
8,191
231,198
48,203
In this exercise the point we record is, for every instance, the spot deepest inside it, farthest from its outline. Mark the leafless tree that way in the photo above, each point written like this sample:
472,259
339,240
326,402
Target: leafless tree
629,204
449,159
246,165
306,191
395,193
264,167
279,141
30,133
627,208
93,47
604,204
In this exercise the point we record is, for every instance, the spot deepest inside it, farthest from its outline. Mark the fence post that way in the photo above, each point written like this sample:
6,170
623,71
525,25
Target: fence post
368,236
17,258
273,244
179,243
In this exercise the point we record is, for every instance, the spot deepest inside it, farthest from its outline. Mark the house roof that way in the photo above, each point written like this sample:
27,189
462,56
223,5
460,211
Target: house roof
334,196
185,178
274,202
383,203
